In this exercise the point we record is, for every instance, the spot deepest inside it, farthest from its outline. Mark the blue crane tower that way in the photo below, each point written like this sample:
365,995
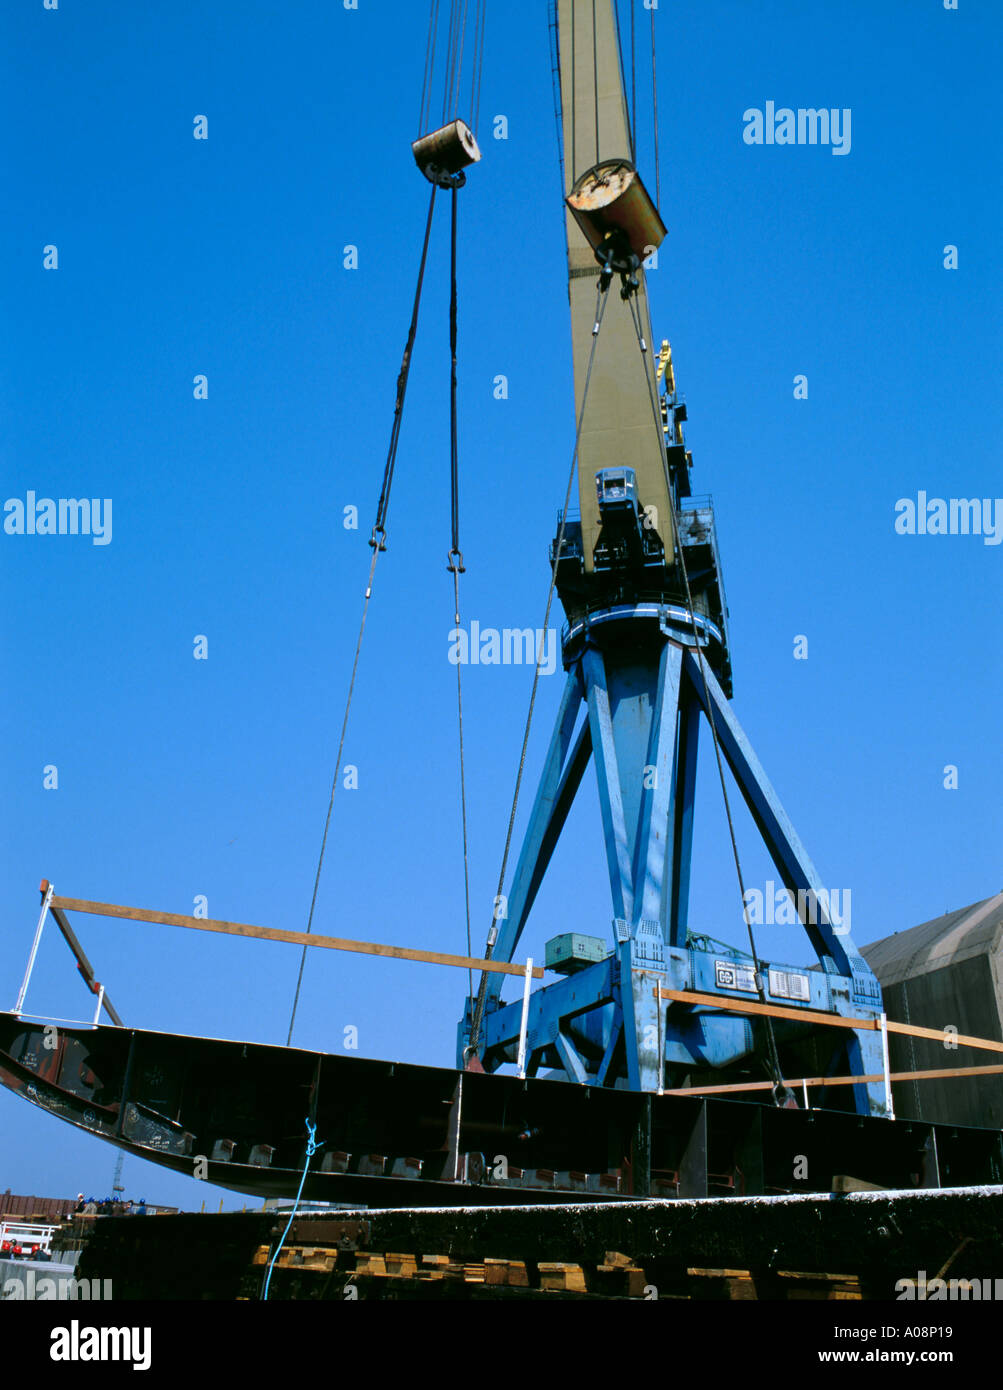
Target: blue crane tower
646,652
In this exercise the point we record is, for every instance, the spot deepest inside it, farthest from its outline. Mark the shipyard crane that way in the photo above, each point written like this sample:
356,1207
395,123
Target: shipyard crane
647,658
647,1019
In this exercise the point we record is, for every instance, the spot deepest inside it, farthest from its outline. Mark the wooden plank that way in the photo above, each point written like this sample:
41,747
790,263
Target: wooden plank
742,1006
565,1278
310,1264
768,1085
944,1073
818,1293
507,1273
298,1257
295,938
737,1285
913,1030
749,1006
843,1182
79,955
621,1280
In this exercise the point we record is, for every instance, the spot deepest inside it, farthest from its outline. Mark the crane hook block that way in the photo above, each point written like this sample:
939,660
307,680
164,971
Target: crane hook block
443,153
610,203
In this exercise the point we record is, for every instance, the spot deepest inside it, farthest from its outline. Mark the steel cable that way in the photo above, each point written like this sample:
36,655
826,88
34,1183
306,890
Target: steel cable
475,94
654,102
623,79
378,543
633,86
595,77
426,88
456,563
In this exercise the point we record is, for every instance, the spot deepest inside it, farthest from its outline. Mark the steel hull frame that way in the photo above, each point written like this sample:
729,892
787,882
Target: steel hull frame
235,1113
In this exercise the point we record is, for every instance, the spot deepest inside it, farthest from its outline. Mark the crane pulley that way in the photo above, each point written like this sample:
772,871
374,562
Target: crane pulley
614,212
443,154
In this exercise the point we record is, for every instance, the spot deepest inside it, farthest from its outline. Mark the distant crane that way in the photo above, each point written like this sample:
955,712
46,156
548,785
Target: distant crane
116,1183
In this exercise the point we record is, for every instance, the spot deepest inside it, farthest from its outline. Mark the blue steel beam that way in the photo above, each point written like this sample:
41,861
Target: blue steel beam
550,1008
837,953
545,841
571,780
608,777
615,1033
785,847
865,1057
678,905
642,1034
570,1060
652,847
555,793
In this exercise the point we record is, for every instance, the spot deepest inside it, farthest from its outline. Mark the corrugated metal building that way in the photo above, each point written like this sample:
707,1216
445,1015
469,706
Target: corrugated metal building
946,973
15,1207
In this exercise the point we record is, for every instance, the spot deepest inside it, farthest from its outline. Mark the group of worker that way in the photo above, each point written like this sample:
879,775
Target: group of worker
108,1206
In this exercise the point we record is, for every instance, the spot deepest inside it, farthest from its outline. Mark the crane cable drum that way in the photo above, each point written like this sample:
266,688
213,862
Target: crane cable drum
444,152
608,201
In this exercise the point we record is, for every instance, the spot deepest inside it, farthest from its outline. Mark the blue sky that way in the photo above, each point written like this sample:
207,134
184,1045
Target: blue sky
177,257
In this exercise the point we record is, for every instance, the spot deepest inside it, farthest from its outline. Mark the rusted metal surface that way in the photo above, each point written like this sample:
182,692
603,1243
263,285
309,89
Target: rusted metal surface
612,198
13,1204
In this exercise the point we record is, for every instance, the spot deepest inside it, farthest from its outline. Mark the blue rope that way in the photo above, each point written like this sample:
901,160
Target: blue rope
311,1148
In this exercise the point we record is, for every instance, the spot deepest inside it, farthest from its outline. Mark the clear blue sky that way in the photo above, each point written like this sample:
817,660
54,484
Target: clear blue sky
176,257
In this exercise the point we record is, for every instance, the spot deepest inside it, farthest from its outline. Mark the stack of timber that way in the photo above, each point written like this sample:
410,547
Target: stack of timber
316,1273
